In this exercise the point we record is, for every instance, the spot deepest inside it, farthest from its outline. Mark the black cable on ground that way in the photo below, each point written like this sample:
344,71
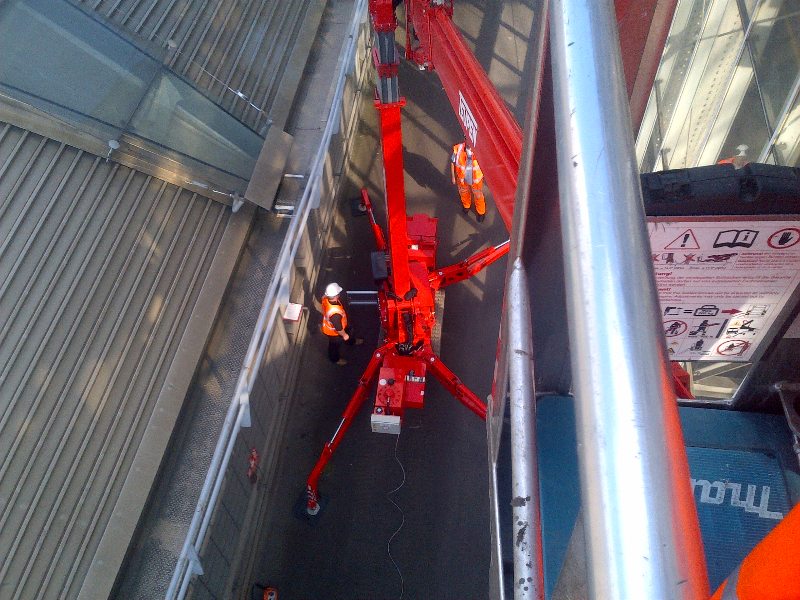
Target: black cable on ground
402,522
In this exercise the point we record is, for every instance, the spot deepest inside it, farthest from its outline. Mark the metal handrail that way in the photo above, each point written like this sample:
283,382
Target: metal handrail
526,515
514,371
238,414
638,507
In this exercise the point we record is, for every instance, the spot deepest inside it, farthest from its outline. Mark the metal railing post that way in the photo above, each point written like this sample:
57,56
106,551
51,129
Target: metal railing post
642,533
526,517
514,372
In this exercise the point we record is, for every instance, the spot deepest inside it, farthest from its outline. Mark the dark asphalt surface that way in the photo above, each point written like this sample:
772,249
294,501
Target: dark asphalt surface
442,550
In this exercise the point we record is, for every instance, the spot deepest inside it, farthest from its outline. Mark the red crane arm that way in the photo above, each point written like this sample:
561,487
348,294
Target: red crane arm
487,123
467,267
392,147
380,240
434,42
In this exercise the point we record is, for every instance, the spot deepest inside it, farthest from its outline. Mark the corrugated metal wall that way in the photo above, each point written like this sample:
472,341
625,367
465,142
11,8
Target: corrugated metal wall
100,269
110,281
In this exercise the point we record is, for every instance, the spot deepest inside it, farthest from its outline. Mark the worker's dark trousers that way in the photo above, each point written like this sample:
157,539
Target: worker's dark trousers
335,344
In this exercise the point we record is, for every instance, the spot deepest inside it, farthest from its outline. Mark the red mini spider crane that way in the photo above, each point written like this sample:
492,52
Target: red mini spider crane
410,279
407,292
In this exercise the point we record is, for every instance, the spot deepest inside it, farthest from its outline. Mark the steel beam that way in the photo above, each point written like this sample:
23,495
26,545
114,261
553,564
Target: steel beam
644,26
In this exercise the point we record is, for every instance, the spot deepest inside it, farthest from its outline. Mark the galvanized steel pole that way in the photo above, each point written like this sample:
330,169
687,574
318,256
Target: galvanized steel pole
642,534
514,370
528,564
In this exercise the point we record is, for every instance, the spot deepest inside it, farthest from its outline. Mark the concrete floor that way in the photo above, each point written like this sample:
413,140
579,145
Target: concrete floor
442,549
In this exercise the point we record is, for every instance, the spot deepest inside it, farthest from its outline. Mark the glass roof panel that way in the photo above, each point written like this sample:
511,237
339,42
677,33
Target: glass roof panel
787,144
56,56
715,55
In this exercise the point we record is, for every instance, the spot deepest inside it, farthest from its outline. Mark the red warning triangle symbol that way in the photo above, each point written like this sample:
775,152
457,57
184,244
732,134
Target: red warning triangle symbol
685,241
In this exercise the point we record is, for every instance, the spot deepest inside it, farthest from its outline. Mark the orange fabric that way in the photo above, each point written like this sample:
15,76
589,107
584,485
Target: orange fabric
737,161
772,570
477,193
459,159
460,162
328,310
681,380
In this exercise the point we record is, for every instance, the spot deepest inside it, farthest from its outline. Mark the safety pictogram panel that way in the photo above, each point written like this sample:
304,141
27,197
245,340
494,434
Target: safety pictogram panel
727,280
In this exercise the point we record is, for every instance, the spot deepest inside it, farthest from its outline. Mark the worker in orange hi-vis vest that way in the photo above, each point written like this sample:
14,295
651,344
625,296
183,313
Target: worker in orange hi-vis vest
739,160
334,324
772,570
466,173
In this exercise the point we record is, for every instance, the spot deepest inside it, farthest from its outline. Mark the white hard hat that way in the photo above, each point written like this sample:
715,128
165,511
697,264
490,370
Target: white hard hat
743,149
333,289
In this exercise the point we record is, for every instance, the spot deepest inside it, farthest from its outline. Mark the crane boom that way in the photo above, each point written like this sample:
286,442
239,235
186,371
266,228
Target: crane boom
410,279
434,42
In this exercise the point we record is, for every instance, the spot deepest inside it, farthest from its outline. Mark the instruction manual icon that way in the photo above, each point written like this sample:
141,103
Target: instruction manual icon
743,238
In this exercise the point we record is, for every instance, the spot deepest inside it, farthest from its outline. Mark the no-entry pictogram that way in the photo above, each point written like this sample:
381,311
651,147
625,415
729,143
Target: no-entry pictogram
674,328
733,348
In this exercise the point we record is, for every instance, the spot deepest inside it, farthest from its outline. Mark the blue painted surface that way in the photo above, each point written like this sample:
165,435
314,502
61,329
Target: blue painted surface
558,481
744,498
723,447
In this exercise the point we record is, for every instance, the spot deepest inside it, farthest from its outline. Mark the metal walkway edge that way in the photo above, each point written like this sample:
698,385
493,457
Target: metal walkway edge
160,551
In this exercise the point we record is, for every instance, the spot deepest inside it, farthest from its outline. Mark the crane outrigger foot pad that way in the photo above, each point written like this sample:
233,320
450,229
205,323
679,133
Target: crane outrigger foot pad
301,511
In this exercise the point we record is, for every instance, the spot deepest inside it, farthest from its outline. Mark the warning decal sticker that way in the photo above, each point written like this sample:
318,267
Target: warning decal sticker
685,241
784,238
722,284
